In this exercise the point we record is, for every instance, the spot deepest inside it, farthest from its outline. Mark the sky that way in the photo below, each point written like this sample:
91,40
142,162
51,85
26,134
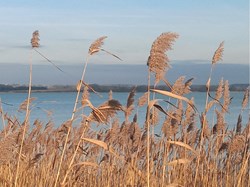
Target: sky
67,29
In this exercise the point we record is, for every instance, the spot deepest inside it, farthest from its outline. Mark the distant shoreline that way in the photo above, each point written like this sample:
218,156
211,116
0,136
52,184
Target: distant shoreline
107,88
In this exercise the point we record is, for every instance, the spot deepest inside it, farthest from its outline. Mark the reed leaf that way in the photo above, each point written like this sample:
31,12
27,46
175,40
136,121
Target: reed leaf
163,111
85,164
169,94
183,145
97,142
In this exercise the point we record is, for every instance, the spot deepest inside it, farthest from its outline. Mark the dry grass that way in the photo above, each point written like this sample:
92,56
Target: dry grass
187,152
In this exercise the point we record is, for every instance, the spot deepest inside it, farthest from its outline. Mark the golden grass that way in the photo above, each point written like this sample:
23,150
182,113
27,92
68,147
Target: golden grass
187,152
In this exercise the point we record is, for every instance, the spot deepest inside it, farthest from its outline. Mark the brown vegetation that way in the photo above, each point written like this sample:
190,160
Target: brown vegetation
187,152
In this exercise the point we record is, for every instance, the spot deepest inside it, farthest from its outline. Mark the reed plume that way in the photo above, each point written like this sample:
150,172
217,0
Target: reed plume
35,39
158,60
96,45
218,53
143,100
219,90
245,100
130,104
226,97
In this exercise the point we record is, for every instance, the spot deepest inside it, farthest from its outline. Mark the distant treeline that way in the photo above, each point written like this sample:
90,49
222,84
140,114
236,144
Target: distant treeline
14,88
143,88
107,88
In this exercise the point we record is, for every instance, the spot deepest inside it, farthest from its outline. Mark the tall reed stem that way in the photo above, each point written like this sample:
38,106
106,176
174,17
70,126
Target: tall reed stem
79,90
25,121
71,120
202,128
148,134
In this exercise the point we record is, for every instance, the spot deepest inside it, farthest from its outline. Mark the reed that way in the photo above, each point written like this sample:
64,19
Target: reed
34,44
158,64
189,150
94,48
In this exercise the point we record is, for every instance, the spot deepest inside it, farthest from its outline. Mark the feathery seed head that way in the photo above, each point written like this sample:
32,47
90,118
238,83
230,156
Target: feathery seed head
35,39
245,100
158,60
218,53
96,45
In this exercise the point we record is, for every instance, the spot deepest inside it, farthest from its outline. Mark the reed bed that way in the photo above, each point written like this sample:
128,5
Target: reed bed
188,151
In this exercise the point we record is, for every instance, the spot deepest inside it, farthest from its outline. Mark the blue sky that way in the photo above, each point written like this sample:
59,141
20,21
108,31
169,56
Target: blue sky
67,28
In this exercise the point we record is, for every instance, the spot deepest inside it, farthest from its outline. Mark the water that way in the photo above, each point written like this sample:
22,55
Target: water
61,105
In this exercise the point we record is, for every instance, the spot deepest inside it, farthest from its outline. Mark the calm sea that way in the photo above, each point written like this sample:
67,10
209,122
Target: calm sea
60,105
